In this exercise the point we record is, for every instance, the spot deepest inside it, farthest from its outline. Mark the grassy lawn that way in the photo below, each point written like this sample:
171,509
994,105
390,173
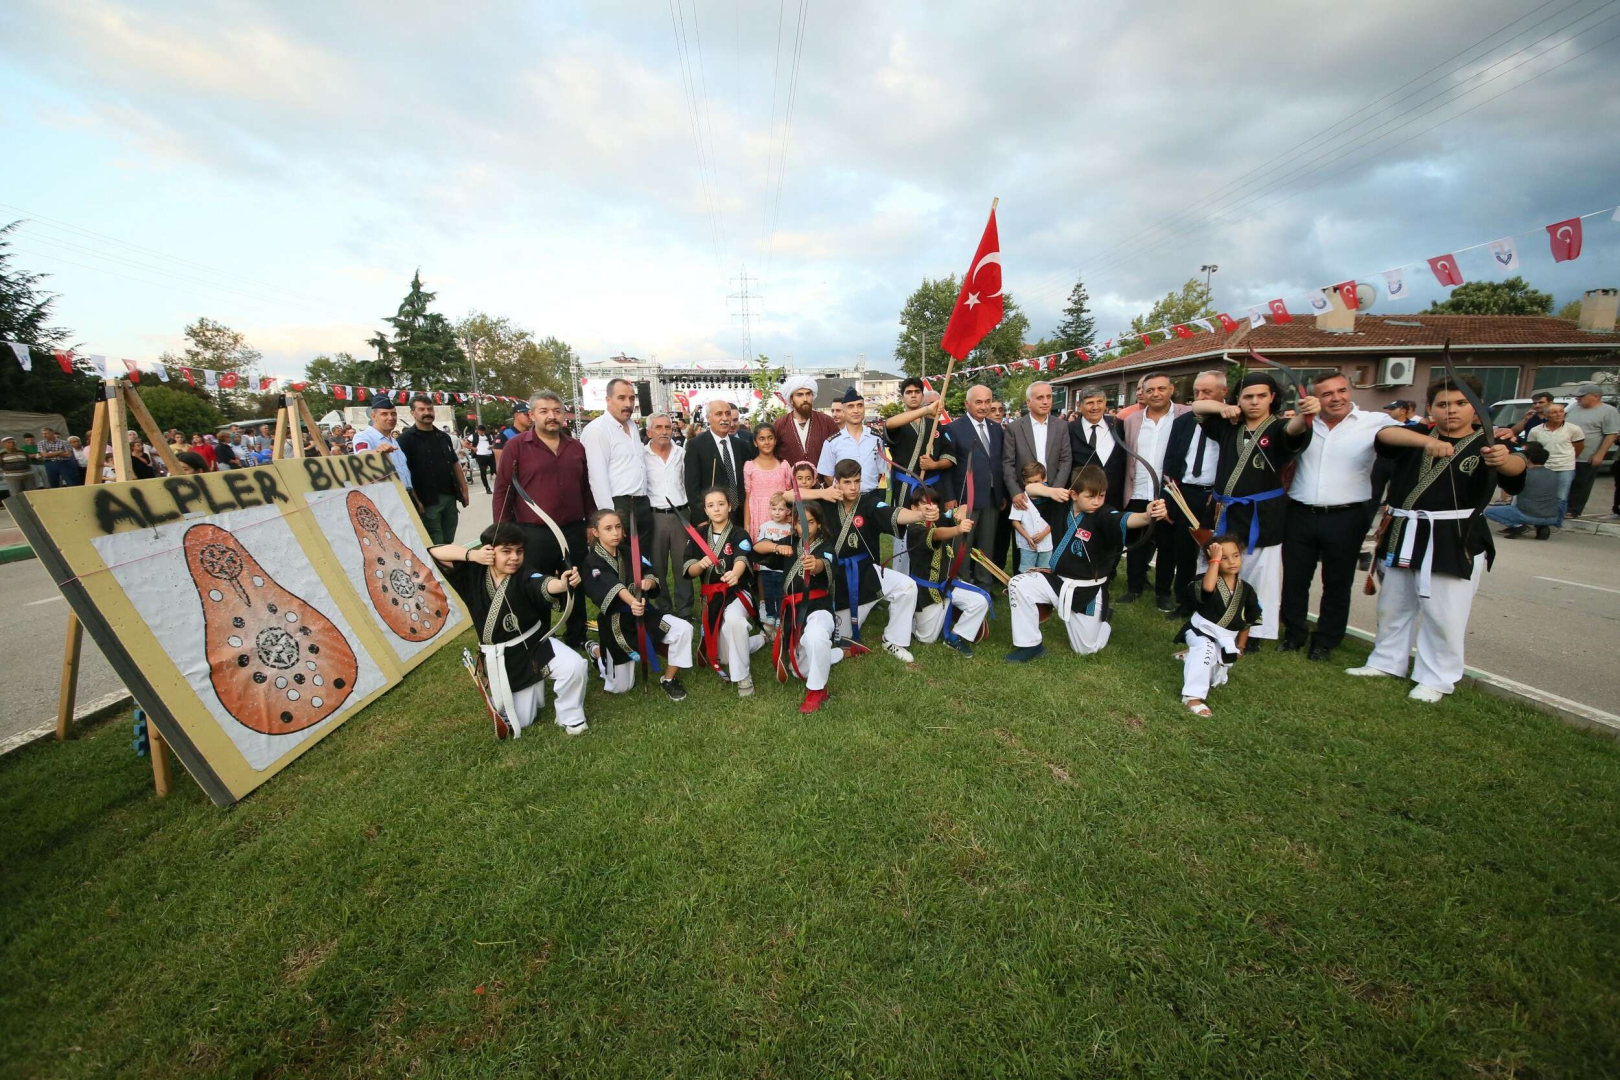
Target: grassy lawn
958,868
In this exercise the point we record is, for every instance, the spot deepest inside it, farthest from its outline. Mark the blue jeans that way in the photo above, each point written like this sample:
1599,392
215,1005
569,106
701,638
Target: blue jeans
1030,560
1510,516
1565,480
770,588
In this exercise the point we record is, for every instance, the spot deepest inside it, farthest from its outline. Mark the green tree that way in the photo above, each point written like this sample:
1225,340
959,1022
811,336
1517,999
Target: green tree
766,377
423,351
341,369
1571,311
176,407
25,317
927,312
1078,330
213,346
1511,297
1192,302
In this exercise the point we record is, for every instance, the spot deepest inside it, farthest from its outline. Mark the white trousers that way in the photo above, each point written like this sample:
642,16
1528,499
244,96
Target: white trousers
971,609
1438,626
1203,669
1262,569
1087,633
568,670
736,644
621,678
901,593
815,654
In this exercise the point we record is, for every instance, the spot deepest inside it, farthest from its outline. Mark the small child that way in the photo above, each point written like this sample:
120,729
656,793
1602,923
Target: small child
1034,534
804,638
726,608
622,616
956,609
805,475
1227,606
771,548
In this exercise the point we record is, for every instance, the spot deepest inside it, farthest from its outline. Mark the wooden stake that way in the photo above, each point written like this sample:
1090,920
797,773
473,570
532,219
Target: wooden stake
314,428
117,430
281,435
293,426
143,417
68,690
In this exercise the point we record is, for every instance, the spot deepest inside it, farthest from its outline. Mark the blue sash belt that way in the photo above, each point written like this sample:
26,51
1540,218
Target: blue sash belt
1245,500
852,583
945,595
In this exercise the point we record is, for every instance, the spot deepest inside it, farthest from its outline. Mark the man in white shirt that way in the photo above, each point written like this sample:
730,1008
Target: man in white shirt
1147,433
666,492
854,443
616,462
1565,443
1330,507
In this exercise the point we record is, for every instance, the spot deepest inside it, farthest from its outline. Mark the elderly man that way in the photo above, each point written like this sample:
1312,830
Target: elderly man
1095,438
854,443
802,431
1043,437
980,441
551,468
379,435
1330,507
666,491
1565,443
1147,433
617,462
1190,461
17,466
1600,423
714,458
60,470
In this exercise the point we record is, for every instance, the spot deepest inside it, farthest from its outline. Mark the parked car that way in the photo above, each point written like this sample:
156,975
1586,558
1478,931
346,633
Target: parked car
1510,411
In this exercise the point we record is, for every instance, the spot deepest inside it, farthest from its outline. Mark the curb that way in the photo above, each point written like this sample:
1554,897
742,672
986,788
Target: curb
16,553
1598,528
97,710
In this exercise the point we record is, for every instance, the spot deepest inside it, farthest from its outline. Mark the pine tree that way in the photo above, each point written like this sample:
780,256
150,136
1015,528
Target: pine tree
1078,330
424,351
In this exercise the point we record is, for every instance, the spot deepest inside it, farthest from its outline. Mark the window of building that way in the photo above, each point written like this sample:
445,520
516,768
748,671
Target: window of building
1559,374
1498,382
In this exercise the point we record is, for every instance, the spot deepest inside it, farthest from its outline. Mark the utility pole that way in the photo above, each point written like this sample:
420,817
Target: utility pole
472,363
745,298
1208,269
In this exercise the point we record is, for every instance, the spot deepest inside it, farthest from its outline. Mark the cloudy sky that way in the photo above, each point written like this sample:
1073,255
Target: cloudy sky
284,167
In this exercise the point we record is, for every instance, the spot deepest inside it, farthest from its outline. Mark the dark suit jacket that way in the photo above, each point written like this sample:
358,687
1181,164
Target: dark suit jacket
703,470
989,488
1114,466
1178,459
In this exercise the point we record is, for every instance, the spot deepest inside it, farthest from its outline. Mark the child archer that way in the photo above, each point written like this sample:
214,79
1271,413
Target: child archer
717,555
941,600
1083,559
1226,607
804,634
623,614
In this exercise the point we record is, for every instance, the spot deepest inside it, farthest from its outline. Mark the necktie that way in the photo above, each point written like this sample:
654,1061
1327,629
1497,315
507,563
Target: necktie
1093,440
984,436
1198,458
731,473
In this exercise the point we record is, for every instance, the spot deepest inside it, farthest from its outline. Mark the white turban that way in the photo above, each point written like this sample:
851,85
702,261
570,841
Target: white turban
794,383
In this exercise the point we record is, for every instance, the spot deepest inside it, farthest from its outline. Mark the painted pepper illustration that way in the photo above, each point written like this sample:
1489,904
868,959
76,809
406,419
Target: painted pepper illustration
404,591
277,664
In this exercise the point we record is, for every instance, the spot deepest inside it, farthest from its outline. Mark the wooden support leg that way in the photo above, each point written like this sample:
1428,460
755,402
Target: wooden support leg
69,691
161,779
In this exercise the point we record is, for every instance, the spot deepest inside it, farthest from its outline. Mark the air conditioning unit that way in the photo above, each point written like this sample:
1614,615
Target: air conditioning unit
1397,371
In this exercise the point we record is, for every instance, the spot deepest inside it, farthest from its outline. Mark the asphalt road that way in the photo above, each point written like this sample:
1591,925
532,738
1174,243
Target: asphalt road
36,615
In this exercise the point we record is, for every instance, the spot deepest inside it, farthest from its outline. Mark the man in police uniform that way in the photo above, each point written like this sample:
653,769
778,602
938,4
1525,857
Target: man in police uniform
379,435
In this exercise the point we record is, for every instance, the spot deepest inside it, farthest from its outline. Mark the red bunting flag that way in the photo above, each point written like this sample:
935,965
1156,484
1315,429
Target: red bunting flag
340,392
1082,356
266,382
298,387
1181,331
979,305
134,371
1147,341
228,380
404,396
1109,344
1445,270
1565,237
191,380
1227,323
1347,293
1279,312
65,359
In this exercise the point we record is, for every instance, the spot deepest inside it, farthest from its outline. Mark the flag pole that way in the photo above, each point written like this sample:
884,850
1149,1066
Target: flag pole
949,368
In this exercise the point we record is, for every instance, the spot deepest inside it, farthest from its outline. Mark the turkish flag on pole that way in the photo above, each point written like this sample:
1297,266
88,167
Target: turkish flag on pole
1445,271
1227,323
1347,293
978,306
1279,312
1565,237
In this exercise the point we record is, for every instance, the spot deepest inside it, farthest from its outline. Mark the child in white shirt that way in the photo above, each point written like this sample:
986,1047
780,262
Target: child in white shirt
1034,534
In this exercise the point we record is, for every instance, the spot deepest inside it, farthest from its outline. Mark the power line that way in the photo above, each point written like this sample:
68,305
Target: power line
787,130
697,138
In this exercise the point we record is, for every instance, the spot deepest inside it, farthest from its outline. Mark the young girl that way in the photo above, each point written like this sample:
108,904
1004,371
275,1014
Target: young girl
957,610
806,476
1227,606
772,544
1034,534
726,609
809,597
622,616
764,476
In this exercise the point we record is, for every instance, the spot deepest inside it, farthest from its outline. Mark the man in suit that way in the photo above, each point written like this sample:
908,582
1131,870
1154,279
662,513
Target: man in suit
715,458
1095,438
1038,436
1147,433
979,441
1190,461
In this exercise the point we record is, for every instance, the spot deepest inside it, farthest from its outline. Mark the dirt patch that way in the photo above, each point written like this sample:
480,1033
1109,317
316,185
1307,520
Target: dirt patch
1134,724
298,965
1059,773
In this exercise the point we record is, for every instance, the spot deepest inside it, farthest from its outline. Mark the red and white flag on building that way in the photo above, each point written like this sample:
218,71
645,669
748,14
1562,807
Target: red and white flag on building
1565,237
1279,312
1445,270
1181,331
1255,318
1347,293
24,357
1506,254
1395,283
1228,323
979,305
191,380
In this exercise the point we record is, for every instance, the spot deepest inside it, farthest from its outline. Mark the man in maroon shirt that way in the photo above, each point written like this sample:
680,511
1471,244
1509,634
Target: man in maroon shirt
800,433
551,467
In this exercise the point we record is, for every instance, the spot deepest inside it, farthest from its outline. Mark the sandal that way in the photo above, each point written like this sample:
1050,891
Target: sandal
1197,708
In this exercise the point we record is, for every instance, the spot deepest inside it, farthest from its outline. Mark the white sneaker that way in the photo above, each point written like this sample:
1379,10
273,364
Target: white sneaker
745,688
576,729
899,652
1368,672
756,642
1426,694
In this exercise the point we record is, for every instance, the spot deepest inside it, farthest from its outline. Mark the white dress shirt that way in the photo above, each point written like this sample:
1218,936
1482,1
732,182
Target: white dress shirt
866,450
1104,438
1152,440
1204,477
666,479
1037,432
615,460
1335,469
983,428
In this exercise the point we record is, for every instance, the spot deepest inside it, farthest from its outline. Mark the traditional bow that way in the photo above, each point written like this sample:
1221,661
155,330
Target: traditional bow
1158,493
562,546
1288,373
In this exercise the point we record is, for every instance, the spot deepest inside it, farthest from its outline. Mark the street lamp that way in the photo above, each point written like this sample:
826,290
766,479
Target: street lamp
1207,269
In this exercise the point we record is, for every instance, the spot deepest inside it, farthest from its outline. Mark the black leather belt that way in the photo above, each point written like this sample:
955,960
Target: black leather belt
1330,509
666,509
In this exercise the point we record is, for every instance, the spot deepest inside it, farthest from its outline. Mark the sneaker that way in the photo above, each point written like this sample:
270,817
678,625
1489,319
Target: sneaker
1289,645
1130,597
960,646
813,700
576,729
593,650
1165,604
1253,646
1026,653
1426,694
1513,532
674,689
1368,673
1543,532
745,688
1320,653
899,652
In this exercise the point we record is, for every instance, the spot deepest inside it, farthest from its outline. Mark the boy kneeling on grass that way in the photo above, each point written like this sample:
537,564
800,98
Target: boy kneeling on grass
804,635
1225,607
717,555
955,609
511,610
624,616
1082,562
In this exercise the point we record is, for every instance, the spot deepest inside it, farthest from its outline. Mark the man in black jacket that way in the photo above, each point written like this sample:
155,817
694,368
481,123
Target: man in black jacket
715,459
1095,438
978,440
436,475
1190,461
